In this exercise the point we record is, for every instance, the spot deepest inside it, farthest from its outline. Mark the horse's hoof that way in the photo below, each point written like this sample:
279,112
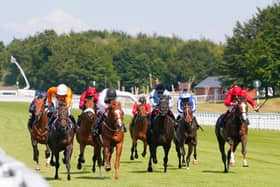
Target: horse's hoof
245,163
232,164
56,177
107,168
136,156
48,165
116,177
93,169
155,161
69,177
150,169
79,166
143,154
195,162
64,161
180,166
37,168
131,158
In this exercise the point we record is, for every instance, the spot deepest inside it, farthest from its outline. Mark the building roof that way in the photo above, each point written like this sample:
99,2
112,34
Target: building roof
212,82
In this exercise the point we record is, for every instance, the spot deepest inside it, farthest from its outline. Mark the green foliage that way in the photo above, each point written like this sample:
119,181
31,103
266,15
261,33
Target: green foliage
253,51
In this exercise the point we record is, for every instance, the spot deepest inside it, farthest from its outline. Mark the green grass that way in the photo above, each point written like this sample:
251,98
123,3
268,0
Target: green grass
263,156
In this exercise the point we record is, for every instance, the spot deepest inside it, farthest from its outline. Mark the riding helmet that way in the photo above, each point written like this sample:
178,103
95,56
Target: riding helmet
142,100
90,92
236,90
62,89
160,88
111,93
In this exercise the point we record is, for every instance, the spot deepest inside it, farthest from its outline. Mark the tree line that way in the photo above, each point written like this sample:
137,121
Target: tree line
112,58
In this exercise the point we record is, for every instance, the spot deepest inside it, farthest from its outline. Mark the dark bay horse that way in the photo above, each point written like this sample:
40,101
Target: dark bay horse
84,135
60,138
112,135
38,131
186,133
162,133
139,131
234,131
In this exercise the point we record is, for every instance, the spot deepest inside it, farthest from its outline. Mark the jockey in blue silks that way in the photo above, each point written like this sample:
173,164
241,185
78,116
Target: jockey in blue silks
154,101
186,98
38,95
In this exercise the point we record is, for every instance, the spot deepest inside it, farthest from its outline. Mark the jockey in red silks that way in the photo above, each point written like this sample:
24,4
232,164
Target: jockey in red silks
142,100
89,93
231,100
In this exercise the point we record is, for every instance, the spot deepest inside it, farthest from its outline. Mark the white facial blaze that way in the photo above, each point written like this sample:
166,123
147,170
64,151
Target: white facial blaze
243,110
119,120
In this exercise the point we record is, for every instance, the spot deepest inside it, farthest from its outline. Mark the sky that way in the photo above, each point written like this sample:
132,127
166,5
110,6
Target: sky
186,19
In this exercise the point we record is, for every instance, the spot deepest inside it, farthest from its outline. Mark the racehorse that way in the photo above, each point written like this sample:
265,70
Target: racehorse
38,131
234,131
139,131
186,133
161,133
112,135
84,136
60,138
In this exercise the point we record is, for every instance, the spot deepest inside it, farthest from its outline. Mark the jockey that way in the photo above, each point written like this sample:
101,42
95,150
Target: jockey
89,93
63,95
38,95
142,100
154,100
231,100
105,97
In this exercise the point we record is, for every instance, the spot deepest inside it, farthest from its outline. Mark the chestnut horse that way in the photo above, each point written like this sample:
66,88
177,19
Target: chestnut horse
60,138
234,131
112,135
186,133
139,131
38,131
162,133
84,136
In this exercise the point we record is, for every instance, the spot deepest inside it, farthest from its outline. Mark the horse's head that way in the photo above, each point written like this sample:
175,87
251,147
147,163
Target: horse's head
142,113
89,105
163,105
115,114
39,106
242,109
63,122
188,114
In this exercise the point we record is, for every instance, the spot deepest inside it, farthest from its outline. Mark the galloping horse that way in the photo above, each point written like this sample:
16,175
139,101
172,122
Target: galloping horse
60,138
112,135
38,131
84,136
162,132
186,133
234,131
139,131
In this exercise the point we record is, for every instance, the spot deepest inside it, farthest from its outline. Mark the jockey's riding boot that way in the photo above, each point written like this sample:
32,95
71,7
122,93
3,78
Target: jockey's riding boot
79,120
197,125
150,128
31,120
124,128
50,123
97,125
74,122
133,121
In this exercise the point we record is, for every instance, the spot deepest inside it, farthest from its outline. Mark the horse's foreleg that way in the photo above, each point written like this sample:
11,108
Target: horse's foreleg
81,156
36,155
188,158
244,144
222,142
165,160
68,154
117,161
195,161
135,149
178,153
97,155
107,158
48,156
231,153
132,151
150,168
144,148
56,164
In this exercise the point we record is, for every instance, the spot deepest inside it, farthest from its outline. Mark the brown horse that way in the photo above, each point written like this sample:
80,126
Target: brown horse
139,131
234,131
60,138
161,134
38,131
186,133
112,135
84,136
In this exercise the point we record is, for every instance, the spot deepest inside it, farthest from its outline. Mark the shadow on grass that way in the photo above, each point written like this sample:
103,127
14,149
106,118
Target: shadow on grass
130,161
52,179
93,177
211,171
